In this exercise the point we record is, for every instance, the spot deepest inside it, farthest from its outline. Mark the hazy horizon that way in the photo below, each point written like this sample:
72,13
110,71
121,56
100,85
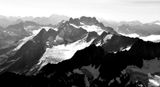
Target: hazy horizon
116,10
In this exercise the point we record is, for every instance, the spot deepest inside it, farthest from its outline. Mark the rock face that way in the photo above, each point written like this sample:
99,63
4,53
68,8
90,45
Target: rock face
31,51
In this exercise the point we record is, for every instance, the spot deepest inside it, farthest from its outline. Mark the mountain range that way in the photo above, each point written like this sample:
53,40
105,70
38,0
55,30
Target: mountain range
13,29
11,20
78,52
134,27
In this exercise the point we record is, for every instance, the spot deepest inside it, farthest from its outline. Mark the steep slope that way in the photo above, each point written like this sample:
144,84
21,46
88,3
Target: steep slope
23,57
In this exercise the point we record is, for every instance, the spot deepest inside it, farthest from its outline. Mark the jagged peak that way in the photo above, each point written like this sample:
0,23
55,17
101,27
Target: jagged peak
85,20
87,23
75,21
88,18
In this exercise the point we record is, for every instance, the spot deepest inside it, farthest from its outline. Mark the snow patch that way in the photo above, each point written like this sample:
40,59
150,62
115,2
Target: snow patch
89,28
35,32
99,43
74,25
134,35
93,28
155,81
153,38
109,36
158,23
125,49
56,29
22,42
82,23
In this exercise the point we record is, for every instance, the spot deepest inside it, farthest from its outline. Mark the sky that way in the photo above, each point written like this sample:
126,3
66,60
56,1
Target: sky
117,10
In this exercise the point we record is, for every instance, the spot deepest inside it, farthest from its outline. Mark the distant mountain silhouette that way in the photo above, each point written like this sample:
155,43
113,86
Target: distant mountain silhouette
53,19
134,27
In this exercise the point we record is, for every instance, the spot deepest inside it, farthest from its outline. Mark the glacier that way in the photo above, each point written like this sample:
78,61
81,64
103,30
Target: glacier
62,52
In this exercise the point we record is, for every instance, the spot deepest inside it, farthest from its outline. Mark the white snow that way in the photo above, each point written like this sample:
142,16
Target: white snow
107,37
56,29
35,32
125,49
22,42
128,48
99,43
93,28
58,38
74,25
82,23
134,35
89,28
63,52
158,23
153,38
155,81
